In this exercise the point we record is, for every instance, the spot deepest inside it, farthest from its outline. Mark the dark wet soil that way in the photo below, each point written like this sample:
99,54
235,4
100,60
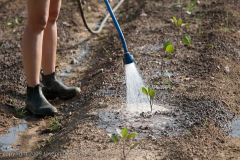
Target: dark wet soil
203,93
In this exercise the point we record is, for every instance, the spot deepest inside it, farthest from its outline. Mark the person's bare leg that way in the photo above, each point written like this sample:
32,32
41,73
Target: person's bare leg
38,11
50,39
52,87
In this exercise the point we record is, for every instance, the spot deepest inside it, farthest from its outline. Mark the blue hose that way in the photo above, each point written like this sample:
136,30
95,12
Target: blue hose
127,58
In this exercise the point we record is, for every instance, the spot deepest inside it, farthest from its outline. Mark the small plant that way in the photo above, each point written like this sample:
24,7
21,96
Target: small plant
178,23
192,5
188,132
124,138
227,20
106,50
54,124
168,47
205,122
18,21
9,24
39,146
150,95
19,111
49,139
179,5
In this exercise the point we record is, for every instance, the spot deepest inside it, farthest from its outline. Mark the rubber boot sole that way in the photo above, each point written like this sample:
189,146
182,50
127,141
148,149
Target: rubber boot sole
52,96
37,114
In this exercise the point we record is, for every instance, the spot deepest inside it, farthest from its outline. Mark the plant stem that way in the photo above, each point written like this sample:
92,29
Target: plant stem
124,156
151,105
181,8
178,37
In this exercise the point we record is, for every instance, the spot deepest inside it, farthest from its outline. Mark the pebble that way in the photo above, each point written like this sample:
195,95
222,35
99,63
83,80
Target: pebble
74,61
93,114
42,140
102,105
143,14
227,69
51,134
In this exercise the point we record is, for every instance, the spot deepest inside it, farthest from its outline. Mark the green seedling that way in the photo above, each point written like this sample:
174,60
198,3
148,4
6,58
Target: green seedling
150,95
188,132
187,39
106,50
18,21
9,24
212,46
125,137
169,82
154,55
227,20
38,145
176,5
54,124
205,122
179,5
168,47
178,23
188,12
49,139
19,111
200,30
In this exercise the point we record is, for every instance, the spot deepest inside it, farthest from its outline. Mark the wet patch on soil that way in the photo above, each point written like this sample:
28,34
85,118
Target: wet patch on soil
159,123
236,128
10,138
203,90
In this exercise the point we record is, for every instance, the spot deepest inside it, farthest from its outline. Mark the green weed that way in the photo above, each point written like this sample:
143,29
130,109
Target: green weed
54,124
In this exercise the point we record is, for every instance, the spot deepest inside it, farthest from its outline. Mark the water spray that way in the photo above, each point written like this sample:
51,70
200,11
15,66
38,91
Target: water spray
134,82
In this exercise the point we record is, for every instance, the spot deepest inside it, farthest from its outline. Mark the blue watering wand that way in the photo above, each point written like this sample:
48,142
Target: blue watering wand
127,57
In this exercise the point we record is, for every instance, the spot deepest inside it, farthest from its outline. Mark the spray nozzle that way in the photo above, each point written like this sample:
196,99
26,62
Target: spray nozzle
128,58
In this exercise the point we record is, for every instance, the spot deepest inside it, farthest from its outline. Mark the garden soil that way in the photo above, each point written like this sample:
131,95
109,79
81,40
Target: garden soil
203,89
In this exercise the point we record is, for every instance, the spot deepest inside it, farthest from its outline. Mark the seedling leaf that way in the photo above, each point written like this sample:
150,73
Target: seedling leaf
39,147
152,94
186,39
169,48
9,24
186,24
179,22
131,135
18,21
176,5
175,21
166,44
133,145
119,131
188,12
144,90
124,132
149,90
114,138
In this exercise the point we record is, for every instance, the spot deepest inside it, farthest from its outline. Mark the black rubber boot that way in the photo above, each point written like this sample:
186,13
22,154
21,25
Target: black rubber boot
53,88
37,103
